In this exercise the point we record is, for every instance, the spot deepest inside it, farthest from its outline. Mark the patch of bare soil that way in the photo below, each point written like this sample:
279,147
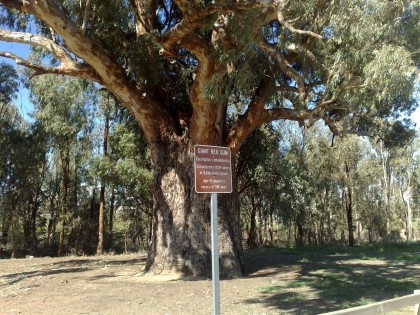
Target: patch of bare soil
115,285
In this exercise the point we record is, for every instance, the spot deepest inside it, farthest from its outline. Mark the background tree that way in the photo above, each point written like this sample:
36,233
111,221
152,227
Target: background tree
181,67
62,109
22,164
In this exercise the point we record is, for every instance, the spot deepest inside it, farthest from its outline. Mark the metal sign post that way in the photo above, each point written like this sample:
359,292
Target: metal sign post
215,255
213,174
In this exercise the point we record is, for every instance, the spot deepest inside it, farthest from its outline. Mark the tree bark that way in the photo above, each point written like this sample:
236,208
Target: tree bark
50,237
181,219
100,245
252,235
64,155
386,168
349,205
408,212
111,219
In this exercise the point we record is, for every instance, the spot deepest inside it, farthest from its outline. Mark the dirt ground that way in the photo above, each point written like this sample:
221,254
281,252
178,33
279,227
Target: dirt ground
115,285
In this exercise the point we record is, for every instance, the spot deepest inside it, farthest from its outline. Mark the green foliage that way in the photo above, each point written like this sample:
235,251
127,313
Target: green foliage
130,163
62,104
8,83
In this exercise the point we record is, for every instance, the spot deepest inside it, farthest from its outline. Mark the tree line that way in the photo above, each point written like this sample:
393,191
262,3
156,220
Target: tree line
309,188
58,180
76,179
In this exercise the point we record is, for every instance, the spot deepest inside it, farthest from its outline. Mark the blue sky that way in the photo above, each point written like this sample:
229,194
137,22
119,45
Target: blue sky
23,104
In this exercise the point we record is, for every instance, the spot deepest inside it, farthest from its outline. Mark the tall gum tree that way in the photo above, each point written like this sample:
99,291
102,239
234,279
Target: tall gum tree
211,72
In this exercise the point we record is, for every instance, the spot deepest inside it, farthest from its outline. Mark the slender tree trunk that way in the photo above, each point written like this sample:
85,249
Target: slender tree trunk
181,219
5,230
300,236
50,237
326,214
386,167
100,245
15,235
27,225
289,233
150,230
111,218
34,213
51,224
271,225
65,169
321,228
260,226
349,205
343,214
408,213
252,235
330,230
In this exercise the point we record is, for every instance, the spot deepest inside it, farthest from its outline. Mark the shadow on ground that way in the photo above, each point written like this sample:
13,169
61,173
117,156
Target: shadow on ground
318,282
69,266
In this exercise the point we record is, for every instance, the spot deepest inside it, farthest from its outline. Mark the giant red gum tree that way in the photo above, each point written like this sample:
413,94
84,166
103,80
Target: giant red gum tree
211,72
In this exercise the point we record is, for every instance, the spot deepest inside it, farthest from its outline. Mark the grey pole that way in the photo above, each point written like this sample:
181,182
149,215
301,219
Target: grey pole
215,255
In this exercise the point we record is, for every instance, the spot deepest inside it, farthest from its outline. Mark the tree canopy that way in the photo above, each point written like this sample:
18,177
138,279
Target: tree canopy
178,64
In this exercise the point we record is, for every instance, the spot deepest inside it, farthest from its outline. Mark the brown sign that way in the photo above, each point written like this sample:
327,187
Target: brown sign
213,172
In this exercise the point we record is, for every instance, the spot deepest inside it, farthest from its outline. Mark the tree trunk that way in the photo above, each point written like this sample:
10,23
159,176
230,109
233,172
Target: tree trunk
299,238
330,230
50,237
15,235
5,230
260,223
252,235
51,225
386,167
408,213
111,218
181,219
64,154
100,245
271,226
349,205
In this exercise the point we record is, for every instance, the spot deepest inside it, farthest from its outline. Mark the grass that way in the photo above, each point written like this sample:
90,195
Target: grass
337,278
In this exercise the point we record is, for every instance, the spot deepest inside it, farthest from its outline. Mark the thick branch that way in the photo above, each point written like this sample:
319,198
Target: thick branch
301,49
68,65
251,120
284,65
247,123
154,121
207,119
144,20
75,69
337,132
291,28
192,17
36,40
